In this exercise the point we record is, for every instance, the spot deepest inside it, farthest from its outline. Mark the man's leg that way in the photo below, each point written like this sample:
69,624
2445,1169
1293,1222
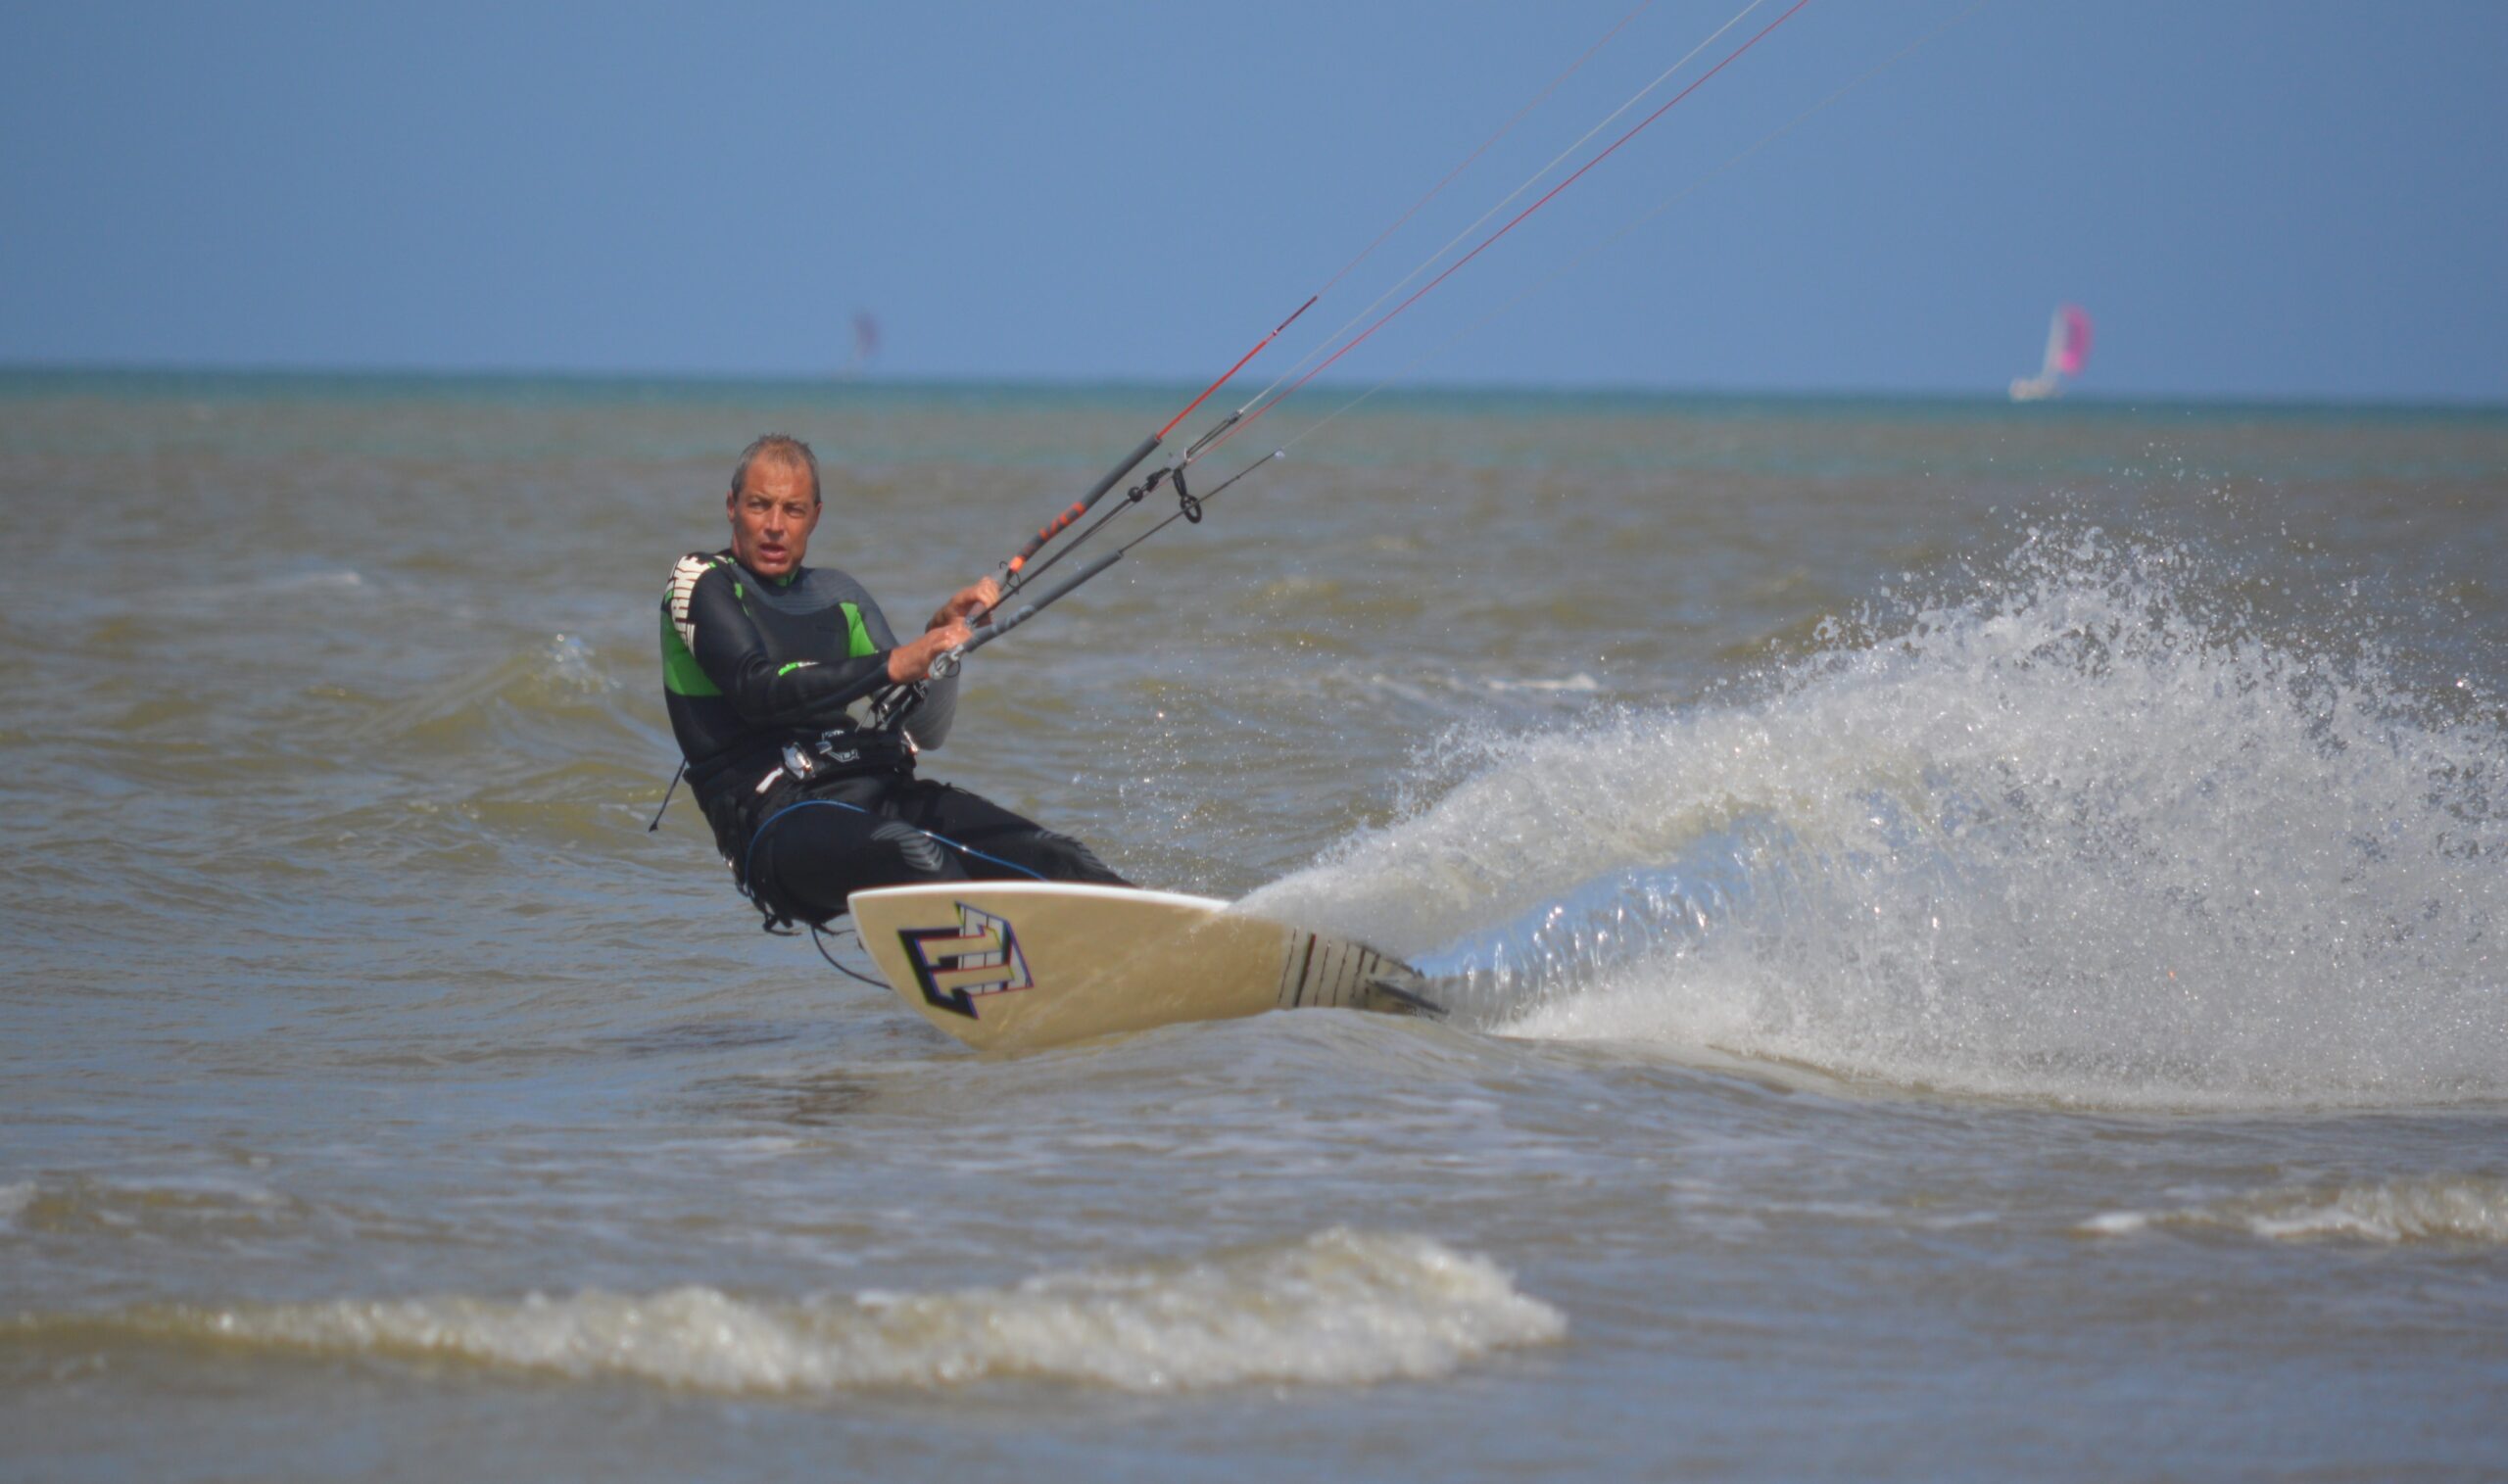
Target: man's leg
815,854
1003,846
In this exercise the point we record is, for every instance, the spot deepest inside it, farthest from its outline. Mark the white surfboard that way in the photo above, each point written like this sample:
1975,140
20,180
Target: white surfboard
1010,966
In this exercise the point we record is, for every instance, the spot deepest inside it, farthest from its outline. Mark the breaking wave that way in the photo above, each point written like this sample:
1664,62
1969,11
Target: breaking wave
1337,1308
2087,834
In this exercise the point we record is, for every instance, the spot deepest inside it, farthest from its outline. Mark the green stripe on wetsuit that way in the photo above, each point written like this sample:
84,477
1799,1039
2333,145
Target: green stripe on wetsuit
857,639
682,675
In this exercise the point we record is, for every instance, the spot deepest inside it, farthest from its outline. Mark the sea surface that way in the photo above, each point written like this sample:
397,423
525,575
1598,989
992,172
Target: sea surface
1978,935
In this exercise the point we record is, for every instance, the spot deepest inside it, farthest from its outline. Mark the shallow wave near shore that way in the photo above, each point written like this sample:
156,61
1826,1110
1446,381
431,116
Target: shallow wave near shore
1337,1308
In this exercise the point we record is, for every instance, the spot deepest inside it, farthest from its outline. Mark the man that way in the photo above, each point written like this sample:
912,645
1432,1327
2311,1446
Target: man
770,669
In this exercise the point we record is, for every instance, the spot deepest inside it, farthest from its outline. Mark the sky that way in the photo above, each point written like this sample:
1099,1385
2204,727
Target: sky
2295,200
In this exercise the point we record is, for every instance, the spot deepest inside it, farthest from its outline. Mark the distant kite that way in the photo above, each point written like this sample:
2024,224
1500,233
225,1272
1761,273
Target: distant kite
2067,352
866,344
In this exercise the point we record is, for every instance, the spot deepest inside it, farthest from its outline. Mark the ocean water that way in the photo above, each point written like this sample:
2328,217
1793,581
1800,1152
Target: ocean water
1979,940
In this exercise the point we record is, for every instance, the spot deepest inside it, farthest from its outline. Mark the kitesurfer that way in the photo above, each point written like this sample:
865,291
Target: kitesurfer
768,667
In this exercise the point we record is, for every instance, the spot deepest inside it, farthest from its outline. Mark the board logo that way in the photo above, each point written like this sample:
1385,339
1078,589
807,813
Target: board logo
953,965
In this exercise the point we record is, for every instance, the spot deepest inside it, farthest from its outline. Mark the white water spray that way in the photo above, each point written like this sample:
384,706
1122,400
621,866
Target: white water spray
2077,836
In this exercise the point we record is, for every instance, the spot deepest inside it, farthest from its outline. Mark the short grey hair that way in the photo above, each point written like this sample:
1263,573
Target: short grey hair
780,448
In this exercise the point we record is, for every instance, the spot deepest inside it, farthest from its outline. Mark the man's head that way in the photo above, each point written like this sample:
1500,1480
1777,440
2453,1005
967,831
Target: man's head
773,505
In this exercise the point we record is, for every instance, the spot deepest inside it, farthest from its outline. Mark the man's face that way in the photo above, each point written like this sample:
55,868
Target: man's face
773,514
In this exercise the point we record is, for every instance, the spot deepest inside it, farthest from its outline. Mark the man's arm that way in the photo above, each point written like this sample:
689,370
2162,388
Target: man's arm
913,661
725,642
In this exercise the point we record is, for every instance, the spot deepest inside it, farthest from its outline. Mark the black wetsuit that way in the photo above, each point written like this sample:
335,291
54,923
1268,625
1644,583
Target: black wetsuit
758,674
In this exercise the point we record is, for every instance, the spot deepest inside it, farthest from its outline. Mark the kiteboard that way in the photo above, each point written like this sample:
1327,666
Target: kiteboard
1012,966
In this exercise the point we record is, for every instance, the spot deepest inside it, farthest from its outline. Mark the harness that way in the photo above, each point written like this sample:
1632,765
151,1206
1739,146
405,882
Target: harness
838,754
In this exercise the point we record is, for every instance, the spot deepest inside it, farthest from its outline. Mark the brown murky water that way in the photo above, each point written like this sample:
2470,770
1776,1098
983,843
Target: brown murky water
1978,933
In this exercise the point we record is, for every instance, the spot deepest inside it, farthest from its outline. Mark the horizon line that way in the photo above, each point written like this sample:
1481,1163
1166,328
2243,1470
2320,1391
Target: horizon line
944,382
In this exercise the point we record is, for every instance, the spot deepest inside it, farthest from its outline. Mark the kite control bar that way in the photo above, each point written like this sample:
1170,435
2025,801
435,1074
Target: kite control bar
945,664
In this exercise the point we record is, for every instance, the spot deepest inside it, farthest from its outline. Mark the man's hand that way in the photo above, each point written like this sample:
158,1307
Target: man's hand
910,662
967,603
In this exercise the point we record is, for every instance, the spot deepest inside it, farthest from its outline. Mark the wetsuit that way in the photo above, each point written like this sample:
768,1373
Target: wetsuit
765,681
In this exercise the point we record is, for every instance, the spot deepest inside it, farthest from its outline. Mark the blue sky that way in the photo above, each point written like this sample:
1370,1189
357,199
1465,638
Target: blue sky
2277,200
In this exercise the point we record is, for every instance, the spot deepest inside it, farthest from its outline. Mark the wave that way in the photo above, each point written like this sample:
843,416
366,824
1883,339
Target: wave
259,590
2468,1209
2086,833
557,679
1338,1306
